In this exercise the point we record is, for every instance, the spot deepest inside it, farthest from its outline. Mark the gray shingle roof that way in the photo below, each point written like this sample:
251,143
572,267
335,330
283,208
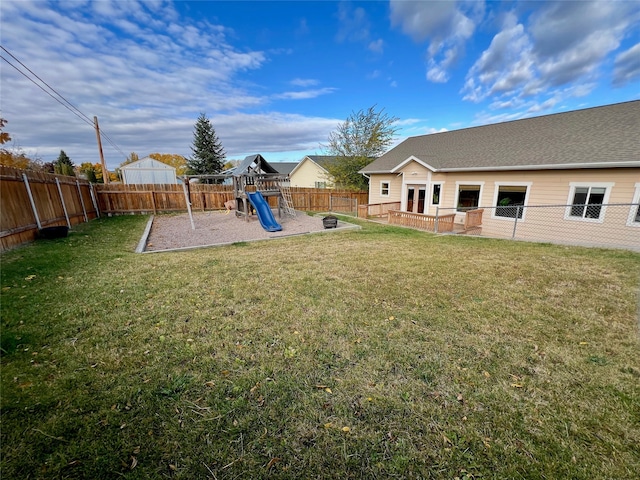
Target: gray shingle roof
589,138
284,168
323,160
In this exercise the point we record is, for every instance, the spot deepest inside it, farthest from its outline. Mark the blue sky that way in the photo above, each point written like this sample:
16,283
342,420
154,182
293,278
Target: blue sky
277,77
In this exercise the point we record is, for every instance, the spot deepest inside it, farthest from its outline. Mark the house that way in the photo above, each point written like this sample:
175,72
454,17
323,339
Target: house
148,171
577,160
311,172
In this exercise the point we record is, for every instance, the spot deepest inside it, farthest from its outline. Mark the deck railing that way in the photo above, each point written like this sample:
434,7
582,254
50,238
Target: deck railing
420,221
376,209
473,218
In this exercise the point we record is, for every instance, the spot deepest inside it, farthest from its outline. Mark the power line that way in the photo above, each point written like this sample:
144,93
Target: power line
60,98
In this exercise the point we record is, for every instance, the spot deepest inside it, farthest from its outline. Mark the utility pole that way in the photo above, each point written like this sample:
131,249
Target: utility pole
105,172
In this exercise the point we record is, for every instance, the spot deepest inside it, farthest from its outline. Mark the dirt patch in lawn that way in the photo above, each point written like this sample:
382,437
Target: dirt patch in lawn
173,232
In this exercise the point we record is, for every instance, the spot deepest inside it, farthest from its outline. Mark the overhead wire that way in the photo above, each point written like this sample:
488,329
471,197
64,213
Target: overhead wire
60,98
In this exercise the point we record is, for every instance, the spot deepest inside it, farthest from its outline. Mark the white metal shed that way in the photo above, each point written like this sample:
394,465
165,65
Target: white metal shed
148,171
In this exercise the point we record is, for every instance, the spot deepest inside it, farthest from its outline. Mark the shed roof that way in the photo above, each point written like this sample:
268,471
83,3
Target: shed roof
147,163
596,137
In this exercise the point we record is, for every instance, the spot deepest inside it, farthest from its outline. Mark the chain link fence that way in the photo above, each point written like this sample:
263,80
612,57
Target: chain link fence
345,205
593,225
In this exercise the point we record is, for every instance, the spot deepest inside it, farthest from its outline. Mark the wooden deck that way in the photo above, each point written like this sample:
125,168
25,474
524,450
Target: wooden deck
385,213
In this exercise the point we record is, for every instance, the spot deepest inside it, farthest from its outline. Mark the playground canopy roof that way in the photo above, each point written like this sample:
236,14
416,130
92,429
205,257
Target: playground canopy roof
253,164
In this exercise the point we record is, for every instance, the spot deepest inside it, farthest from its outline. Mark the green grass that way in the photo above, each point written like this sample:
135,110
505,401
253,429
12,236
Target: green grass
382,353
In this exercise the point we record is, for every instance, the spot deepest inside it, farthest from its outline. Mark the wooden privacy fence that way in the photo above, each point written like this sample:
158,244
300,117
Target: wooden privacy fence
117,198
33,200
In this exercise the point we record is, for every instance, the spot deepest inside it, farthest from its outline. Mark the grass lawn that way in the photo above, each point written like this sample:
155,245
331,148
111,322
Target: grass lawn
381,353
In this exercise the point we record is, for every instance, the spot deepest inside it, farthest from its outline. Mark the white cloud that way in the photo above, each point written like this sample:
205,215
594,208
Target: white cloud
304,82
447,26
559,52
147,75
353,24
377,46
305,94
627,66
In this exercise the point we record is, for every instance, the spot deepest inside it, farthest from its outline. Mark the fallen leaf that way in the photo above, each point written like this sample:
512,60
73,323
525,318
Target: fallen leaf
516,385
392,317
210,383
30,277
328,390
272,462
584,343
328,425
134,462
321,387
172,467
486,374
346,429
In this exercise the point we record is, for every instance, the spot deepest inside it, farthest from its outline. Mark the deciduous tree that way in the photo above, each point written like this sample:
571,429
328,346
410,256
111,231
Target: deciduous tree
362,137
208,154
173,159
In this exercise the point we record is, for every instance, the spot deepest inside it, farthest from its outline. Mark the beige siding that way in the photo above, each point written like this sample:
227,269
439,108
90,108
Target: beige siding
548,188
395,188
308,173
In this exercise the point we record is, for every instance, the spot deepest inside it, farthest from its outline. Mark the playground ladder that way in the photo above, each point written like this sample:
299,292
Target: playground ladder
285,190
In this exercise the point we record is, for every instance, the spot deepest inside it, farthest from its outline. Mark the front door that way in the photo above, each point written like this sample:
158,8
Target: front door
410,195
415,203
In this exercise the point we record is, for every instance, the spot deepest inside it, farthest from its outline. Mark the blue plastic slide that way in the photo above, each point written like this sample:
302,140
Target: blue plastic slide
265,215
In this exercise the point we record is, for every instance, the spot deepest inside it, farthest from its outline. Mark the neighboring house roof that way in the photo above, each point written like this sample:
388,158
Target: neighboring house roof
284,168
320,160
596,137
253,164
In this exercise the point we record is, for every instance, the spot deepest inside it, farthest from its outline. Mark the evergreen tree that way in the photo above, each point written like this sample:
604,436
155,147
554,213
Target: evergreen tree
208,154
63,165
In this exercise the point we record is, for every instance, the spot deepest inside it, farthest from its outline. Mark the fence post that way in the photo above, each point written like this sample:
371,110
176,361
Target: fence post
84,210
33,204
437,215
330,203
64,207
515,223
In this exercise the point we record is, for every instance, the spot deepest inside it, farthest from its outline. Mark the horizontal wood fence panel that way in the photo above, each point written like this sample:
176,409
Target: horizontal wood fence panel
116,198
57,199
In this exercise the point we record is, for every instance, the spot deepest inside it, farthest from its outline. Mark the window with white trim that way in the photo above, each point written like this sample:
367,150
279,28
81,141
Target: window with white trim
468,196
509,200
384,189
436,194
634,212
587,201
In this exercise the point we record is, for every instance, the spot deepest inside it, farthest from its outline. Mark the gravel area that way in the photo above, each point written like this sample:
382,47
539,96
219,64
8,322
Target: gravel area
172,232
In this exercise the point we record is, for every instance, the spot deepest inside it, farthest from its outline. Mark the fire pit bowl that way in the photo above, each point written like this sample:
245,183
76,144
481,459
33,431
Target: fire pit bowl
50,233
330,221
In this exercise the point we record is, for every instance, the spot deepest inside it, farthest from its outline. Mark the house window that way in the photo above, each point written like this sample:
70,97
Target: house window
509,200
321,184
437,193
384,189
468,197
588,201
